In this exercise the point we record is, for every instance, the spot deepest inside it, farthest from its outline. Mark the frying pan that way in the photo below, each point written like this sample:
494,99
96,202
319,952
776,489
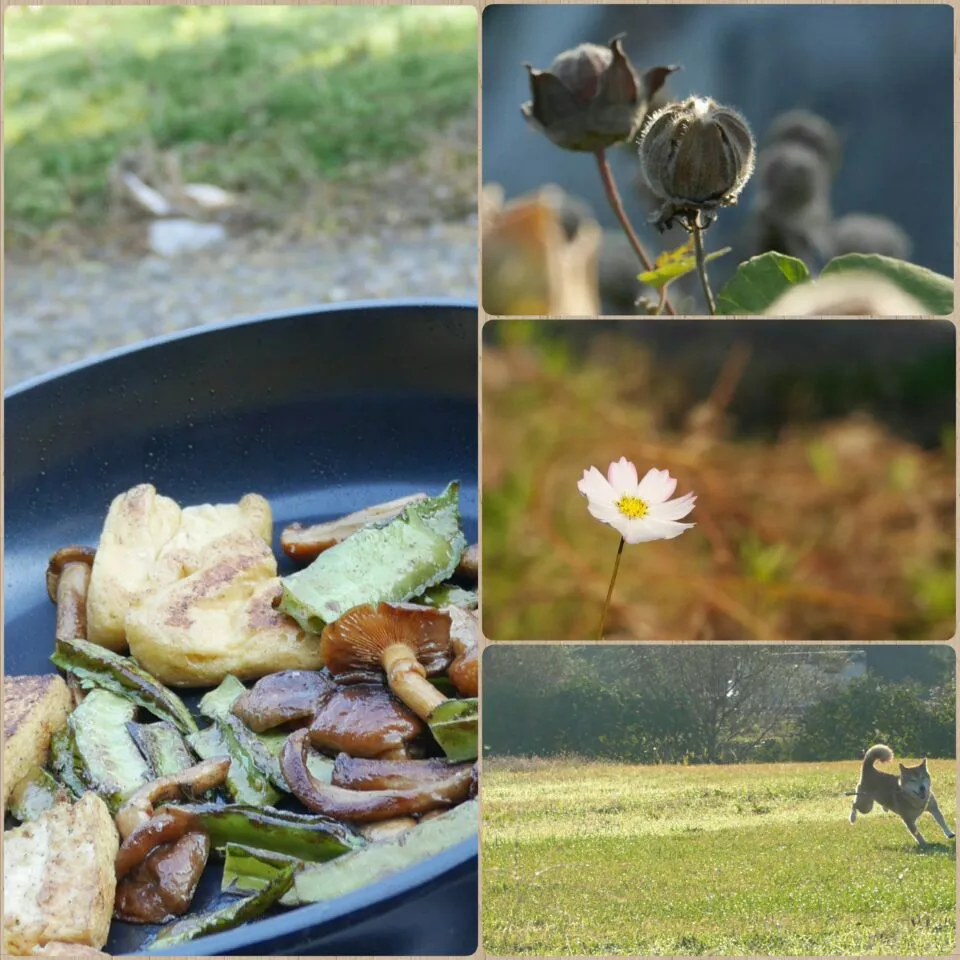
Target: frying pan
323,411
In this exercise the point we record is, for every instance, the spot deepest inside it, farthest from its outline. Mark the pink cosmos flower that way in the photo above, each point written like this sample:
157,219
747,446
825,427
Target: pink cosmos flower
640,510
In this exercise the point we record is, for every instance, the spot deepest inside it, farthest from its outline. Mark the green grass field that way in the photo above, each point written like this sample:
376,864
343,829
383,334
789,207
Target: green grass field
584,858
257,99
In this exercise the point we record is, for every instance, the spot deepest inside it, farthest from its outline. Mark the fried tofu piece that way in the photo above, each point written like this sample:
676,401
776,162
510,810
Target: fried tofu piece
58,878
219,619
34,709
148,541
58,949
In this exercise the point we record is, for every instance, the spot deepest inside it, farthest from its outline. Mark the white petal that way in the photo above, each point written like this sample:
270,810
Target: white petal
647,529
604,512
595,488
672,509
622,475
656,486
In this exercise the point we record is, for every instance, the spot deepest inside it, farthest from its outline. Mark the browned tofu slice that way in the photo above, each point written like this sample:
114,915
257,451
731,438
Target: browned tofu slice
58,949
58,878
34,709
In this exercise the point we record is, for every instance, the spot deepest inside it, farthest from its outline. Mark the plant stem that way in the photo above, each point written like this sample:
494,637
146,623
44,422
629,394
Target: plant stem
613,580
702,265
613,197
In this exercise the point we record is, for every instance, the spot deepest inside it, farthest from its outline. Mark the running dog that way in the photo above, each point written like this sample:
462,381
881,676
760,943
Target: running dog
907,796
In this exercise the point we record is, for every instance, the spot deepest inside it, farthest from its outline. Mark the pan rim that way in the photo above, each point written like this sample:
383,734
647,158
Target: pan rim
346,306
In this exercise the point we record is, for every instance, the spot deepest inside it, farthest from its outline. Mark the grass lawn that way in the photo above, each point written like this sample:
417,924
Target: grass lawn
760,859
257,99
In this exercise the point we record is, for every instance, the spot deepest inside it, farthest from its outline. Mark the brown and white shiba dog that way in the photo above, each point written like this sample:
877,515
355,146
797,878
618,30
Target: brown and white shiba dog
907,795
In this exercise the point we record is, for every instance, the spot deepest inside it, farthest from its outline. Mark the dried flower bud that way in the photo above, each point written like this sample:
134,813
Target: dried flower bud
791,177
591,97
697,156
809,130
864,233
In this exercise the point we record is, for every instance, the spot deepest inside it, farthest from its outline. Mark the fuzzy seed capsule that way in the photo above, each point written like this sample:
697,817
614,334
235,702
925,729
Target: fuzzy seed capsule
696,156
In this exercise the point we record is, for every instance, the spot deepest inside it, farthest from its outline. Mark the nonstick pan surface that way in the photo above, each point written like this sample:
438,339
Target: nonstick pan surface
323,411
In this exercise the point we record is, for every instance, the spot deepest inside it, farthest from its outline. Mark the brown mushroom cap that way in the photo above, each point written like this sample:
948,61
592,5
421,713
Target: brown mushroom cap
167,826
465,642
162,886
281,698
364,720
64,556
352,646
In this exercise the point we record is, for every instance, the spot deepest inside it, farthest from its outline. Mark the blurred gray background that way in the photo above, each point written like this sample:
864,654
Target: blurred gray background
883,75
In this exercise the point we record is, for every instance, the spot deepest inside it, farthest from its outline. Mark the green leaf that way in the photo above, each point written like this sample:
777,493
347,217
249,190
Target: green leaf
98,668
758,282
673,264
390,562
321,882
454,726
228,917
933,290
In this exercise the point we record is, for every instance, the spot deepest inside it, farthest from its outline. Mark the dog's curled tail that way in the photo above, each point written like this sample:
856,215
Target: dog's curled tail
879,752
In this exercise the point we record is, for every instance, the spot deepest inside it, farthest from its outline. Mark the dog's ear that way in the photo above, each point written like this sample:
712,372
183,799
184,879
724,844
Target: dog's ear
903,769
923,763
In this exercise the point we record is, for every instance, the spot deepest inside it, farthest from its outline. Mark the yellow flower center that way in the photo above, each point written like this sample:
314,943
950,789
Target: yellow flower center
633,508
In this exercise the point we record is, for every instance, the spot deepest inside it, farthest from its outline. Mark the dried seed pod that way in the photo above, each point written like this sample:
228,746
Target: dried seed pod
809,130
696,156
864,233
591,97
792,177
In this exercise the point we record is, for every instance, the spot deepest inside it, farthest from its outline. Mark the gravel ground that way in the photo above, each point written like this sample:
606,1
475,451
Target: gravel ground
56,313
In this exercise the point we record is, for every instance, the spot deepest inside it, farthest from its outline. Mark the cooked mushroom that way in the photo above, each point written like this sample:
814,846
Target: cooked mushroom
199,778
305,544
162,885
353,773
365,806
68,580
469,566
364,720
387,829
281,698
165,827
464,637
406,642
163,854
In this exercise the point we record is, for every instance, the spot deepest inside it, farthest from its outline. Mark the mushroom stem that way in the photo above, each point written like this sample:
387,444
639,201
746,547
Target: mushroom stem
68,579
72,602
407,678
139,808
356,773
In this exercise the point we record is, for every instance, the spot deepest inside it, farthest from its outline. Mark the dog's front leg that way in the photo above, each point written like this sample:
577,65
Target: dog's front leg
912,827
934,809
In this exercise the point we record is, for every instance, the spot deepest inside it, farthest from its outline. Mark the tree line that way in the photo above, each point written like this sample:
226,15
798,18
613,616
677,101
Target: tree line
718,704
